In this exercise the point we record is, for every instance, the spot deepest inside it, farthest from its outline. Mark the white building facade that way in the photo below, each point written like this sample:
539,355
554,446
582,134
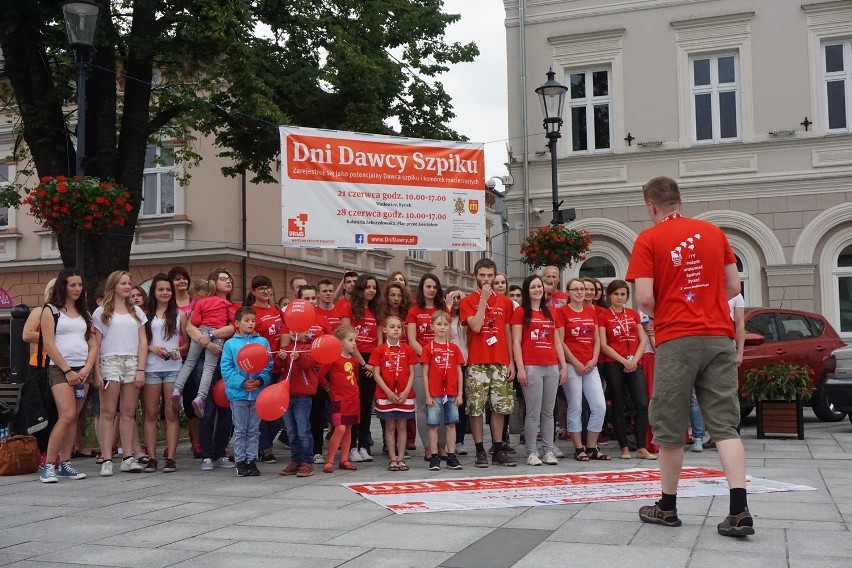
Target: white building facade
747,103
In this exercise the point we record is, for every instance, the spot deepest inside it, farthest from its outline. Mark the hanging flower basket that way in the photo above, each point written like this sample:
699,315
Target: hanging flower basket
555,245
68,204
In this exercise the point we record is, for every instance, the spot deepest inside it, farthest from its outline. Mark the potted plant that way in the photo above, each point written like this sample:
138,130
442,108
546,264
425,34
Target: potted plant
779,389
64,204
555,245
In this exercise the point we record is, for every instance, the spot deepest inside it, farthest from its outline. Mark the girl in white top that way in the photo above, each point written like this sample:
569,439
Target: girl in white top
164,329
123,348
71,347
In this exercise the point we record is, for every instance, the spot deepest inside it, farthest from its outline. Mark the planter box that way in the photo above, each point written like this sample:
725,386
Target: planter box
780,418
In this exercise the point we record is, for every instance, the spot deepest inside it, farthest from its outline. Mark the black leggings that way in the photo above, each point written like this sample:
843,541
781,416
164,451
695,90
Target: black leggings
617,380
367,388
319,404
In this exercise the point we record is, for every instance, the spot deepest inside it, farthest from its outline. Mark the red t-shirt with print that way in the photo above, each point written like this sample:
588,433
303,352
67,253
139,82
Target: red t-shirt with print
443,360
538,346
558,299
580,330
341,377
269,324
422,318
621,331
331,315
490,344
367,327
687,260
395,362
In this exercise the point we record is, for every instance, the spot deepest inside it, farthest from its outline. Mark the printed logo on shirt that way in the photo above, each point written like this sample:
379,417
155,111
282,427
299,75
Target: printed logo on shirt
685,247
350,372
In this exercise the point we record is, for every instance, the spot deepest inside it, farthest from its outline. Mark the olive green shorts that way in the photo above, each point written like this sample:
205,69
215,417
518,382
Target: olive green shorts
488,383
707,363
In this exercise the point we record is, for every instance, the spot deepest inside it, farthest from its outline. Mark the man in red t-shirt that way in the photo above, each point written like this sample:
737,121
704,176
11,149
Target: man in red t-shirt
555,297
490,370
685,271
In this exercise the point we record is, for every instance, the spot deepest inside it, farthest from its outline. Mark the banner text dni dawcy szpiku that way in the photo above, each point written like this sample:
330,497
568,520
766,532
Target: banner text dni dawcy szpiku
351,190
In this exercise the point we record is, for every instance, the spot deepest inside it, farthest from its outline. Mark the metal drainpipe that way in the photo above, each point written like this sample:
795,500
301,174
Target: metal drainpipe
525,163
244,260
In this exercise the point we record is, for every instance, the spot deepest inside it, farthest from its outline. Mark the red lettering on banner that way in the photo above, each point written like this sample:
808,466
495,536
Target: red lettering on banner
407,240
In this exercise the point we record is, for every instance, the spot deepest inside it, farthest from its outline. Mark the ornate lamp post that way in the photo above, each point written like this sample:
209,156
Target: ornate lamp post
81,23
551,95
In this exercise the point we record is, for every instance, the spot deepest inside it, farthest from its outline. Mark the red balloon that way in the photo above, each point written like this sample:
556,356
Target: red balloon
325,349
252,358
220,397
273,401
299,315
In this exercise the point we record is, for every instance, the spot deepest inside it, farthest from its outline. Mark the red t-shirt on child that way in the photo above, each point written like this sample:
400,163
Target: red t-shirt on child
580,330
213,311
538,345
443,360
342,378
395,362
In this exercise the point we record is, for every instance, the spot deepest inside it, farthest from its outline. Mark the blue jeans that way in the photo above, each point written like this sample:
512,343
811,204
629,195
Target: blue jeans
246,430
297,420
696,417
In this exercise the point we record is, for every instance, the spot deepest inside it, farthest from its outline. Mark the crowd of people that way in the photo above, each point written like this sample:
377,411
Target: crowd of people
428,361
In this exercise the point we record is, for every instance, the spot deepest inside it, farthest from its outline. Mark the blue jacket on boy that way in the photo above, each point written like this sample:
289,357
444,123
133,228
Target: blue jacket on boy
234,376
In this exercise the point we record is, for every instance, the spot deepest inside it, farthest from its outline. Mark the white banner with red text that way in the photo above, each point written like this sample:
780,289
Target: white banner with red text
464,494
366,191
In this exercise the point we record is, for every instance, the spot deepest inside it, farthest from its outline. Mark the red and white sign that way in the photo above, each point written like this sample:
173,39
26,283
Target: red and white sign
364,191
430,495
5,299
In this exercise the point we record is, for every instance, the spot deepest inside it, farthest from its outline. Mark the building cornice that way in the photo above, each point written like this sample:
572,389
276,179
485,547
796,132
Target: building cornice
692,23
821,7
552,15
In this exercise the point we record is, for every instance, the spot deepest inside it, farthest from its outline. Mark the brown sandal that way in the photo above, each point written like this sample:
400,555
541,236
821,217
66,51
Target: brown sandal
580,455
349,466
597,455
392,466
402,466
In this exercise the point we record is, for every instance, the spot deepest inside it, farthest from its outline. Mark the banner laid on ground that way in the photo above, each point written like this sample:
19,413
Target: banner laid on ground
365,191
464,494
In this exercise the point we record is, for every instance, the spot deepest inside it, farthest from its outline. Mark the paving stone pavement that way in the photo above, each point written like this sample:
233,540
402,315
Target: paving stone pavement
194,518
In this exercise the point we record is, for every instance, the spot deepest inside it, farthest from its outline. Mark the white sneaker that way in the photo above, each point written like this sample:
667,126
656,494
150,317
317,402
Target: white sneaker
106,469
365,455
697,445
206,464
557,452
533,459
130,465
224,463
461,450
550,459
355,455
47,474
318,458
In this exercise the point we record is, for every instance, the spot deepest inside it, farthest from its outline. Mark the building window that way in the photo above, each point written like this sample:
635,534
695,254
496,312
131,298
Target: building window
837,66
417,254
158,183
597,267
715,98
468,262
589,104
451,260
5,179
843,273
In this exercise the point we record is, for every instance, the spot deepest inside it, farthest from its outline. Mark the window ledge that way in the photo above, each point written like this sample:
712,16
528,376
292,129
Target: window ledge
158,222
11,233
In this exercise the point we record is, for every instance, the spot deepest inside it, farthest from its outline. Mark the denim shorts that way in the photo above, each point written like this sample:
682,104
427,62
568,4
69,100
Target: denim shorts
119,368
160,377
448,411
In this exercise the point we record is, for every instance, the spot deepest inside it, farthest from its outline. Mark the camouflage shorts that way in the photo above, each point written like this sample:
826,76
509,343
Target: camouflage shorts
488,383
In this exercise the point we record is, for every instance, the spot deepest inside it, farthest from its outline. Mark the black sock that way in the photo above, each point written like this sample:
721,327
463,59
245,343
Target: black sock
668,502
739,500
480,447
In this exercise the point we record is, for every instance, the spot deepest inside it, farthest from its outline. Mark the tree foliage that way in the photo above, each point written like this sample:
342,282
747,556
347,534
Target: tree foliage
176,70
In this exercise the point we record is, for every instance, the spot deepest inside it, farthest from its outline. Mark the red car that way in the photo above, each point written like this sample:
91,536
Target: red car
791,336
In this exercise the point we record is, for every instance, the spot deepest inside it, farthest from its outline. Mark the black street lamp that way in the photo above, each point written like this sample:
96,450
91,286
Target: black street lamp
551,95
81,23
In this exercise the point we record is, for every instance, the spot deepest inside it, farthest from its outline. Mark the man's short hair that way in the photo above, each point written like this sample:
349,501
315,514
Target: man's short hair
325,282
484,263
297,277
662,191
350,274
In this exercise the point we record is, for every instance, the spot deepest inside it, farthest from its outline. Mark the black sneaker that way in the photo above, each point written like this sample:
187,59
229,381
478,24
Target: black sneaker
169,466
268,457
435,463
481,459
502,458
508,449
252,468
453,462
242,470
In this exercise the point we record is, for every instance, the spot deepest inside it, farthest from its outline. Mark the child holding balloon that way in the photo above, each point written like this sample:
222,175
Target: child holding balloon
243,390
340,379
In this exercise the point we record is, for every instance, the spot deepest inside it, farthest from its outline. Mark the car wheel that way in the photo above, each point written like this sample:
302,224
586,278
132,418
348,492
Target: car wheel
824,409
